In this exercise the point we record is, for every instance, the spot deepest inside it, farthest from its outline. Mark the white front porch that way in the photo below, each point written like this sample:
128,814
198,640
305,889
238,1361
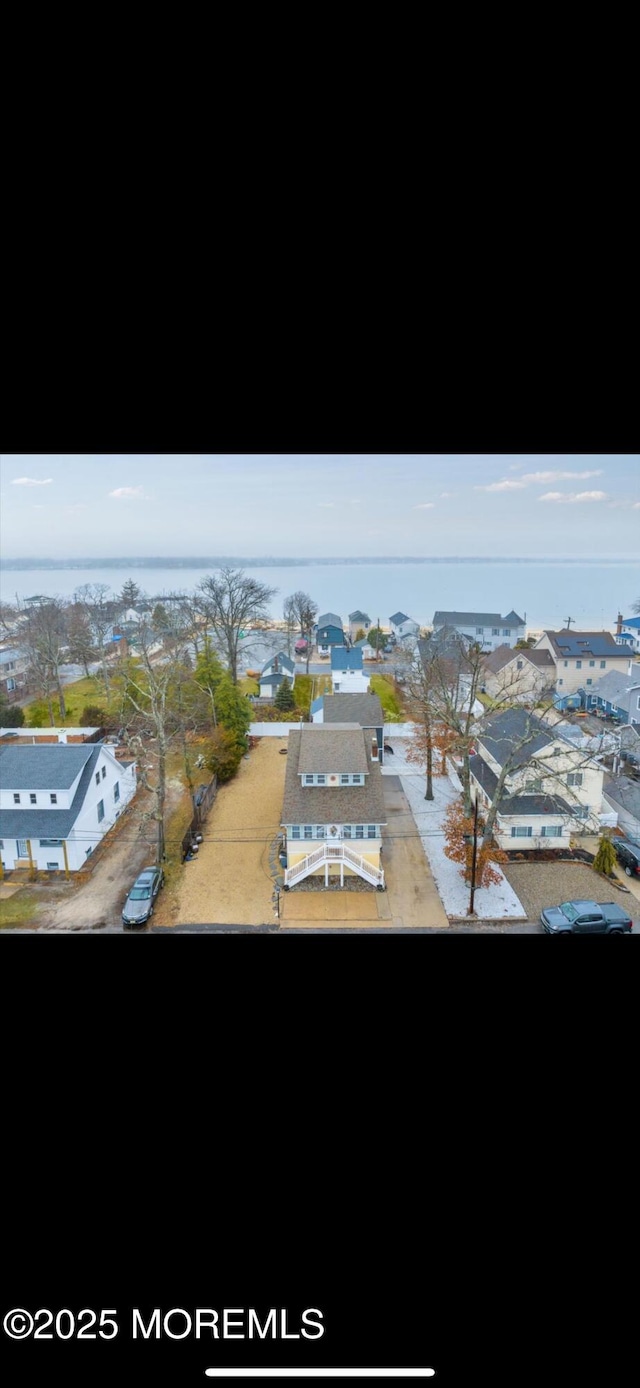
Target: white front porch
328,853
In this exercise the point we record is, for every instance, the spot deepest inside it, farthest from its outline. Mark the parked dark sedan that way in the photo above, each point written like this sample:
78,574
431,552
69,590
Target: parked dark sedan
138,906
628,855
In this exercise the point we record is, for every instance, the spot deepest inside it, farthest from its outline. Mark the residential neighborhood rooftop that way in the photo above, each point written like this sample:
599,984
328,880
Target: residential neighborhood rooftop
324,804
365,709
48,823
521,804
503,655
358,616
52,766
500,735
399,617
342,659
588,643
478,619
329,619
338,748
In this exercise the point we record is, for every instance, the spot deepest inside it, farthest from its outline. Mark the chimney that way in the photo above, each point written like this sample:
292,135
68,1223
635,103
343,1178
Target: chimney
619,624
374,749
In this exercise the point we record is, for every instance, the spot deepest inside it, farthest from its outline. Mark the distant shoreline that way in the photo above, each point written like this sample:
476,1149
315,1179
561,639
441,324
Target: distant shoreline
268,561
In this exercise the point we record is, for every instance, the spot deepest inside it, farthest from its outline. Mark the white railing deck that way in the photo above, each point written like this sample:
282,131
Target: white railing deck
333,853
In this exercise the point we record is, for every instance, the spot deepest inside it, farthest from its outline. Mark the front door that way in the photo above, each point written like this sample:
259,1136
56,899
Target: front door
23,851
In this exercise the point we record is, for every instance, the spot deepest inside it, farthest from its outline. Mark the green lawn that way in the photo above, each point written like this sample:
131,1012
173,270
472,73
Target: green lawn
391,706
76,696
21,909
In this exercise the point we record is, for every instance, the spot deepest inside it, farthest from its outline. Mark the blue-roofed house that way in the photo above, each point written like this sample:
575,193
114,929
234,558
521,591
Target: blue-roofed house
329,632
278,668
58,801
347,674
628,633
403,627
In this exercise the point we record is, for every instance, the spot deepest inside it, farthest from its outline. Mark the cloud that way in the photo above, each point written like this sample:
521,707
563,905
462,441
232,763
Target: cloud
130,494
355,500
509,484
636,506
571,497
31,481
444,495
424,506
326,505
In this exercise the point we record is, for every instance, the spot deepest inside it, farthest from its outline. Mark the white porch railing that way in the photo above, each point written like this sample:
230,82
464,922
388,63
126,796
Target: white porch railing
333,853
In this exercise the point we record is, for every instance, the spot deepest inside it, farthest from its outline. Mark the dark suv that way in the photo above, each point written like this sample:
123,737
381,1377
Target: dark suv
628,855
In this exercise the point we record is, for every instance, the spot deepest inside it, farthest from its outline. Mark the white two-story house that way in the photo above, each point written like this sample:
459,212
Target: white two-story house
485,629
57,802
403,627
347,673
333,810
553,789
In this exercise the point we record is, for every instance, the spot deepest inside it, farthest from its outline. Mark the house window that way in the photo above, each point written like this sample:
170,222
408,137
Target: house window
519,664
344,780
578,664
50,843
295,831
551,831
602,664
592,662
359,831
97,778
308,831
320,780
534,787
574,778
53,798
479,631
16,799
521,831
346,832
100,810
116,791
506,631
33,799
371,831
320,831
565,663
581,812
104,772
589,681
561,681
308,780
357,779
495,631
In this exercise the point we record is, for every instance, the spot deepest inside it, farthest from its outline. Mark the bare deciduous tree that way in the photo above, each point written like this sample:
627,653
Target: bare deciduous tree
233,601
42,637
300,612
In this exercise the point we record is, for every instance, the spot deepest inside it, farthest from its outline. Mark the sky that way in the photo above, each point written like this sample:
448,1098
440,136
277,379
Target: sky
331,506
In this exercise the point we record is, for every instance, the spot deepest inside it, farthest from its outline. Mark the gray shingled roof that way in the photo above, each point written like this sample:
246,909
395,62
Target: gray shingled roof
466,619
364,709
501,734
47,767
585,643
336,748
284,662
399,617
329,619
503,655
49,823
325,804
516,804
359,617
617,687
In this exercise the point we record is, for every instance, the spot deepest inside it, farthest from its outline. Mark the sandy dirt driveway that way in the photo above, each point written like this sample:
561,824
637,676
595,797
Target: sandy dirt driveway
97,904
230,882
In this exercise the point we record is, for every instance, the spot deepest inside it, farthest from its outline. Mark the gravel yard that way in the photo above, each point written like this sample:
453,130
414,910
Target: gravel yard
229,883
547,884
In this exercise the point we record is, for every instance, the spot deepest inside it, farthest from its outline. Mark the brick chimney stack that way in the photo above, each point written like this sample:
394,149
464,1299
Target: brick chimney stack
619,624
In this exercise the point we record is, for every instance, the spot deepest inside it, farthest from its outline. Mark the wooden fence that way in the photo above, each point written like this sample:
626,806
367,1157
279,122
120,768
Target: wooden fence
203,799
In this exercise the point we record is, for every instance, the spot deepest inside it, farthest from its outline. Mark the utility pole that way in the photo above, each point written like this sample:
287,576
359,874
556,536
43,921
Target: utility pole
569,620
474,856
378,643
